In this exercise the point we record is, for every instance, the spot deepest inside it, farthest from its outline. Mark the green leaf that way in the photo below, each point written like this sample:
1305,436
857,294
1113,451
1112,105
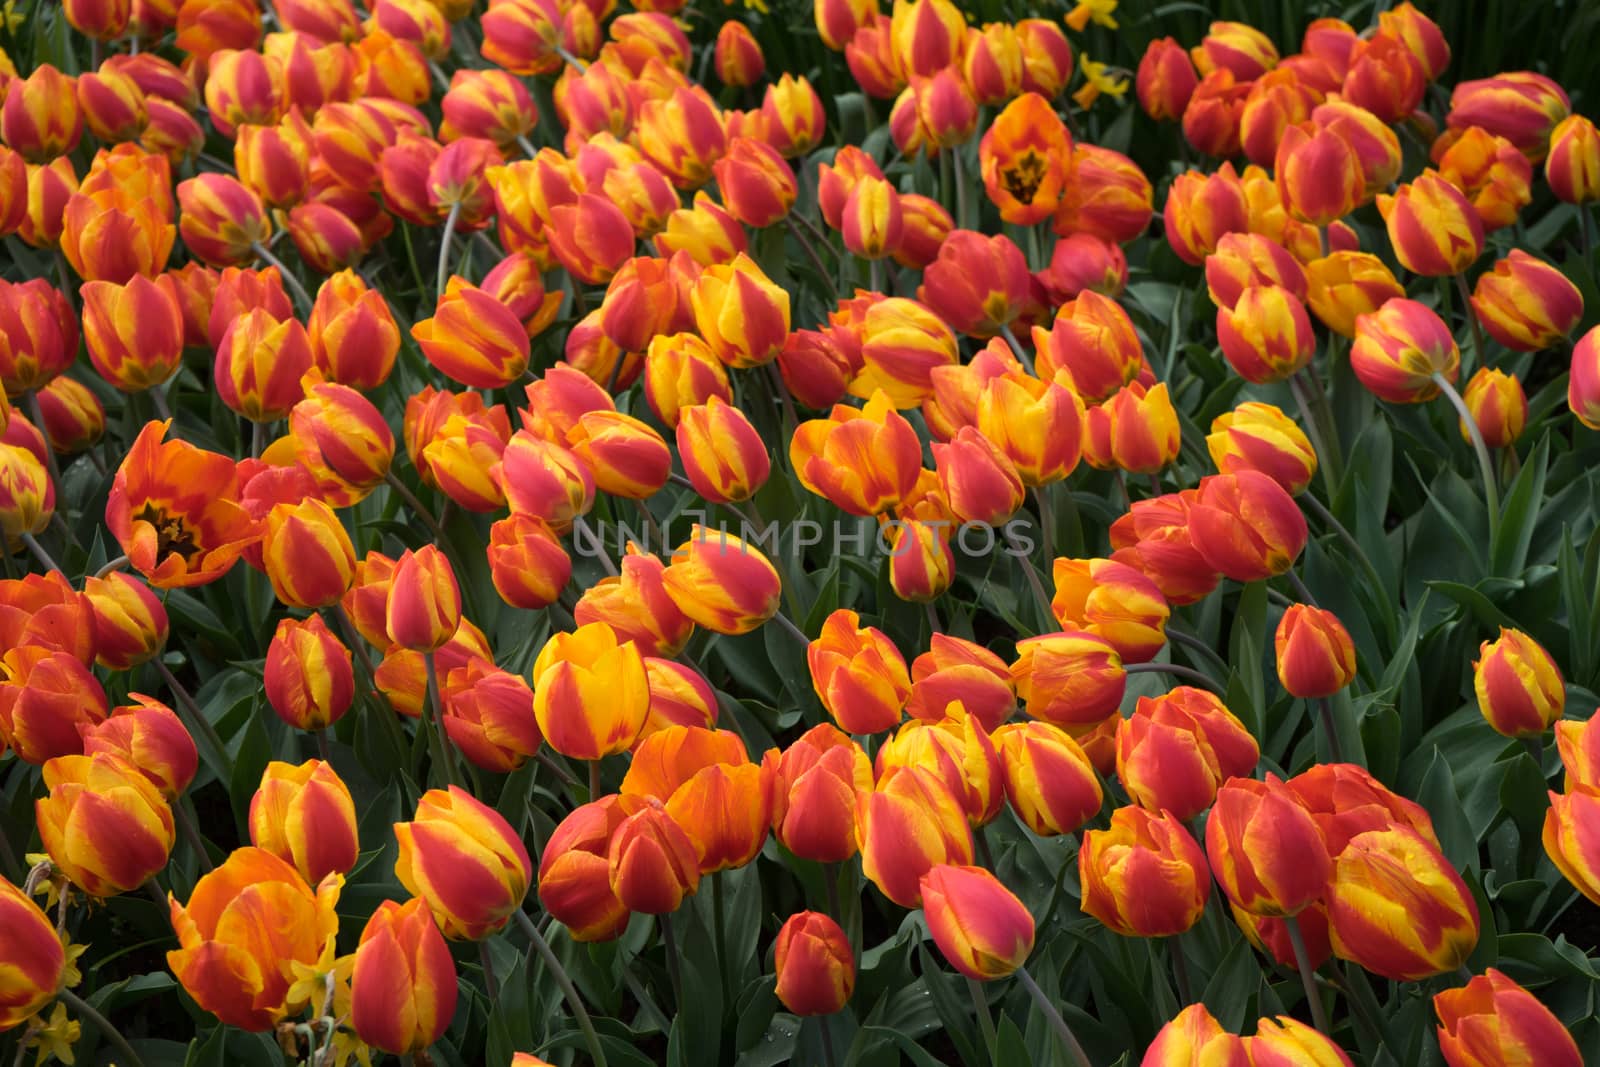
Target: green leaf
1438,794
1519,513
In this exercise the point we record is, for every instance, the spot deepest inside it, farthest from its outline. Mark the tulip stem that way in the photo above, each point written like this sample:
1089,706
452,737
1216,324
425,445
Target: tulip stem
445,242
435,712
1472,317
811,253
1016,347
674,973
1325,713
1188,640
1586,234
258,439
112,1034
40,554
1047,523
1302,959
594,780
1491,490
564,981
1299,587
31,399
357,643
571,60
1053,1017
1175,669
112,566
581,532
322,746
828,1057
790,419
8,857
301,297
980,1007
963,194
1180,969
718,938
191,834
201,724
1536,750
1037,586
411,501
1339,529
933,617
491,985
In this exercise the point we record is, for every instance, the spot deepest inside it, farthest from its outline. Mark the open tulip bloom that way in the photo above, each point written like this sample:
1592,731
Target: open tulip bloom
551,533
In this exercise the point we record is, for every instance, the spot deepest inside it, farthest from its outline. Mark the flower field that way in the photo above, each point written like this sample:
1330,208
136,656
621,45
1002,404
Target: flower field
542,532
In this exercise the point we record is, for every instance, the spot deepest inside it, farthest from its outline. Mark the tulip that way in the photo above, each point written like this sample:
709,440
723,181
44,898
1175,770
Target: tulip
590,692
1046,57
1319,175
1268,854
1081,261
956,670
1246,526
27,497
424,602
910,824
249,927
42,338
106,826
217,299
134,332
1489,171
274,162
40,117
1267,336
726,811
1136,430
1579,745
488,714
722,583
1093,343
1384,77
1498,406
793,114
44,611
705,231
1201,209
1573,165
980,926
1025,160
71,416
590,237
1520,106
1260,437
1519,687
1145,876
150,738
757,186
1069,678
1314,653
815,785
222,222
260,361
1288,1042
741,314
46,696
307,554
544,480
1432,226
652,862
175,511
1526,304
1165,80
465,861
1112,601
1569,839
309,678
927,35
955,749
341,439
815,965
679,696
401,945
35,958
1400,349
681,134
1049,782
977,284
1211,122
305,816
681,371
1035,424
1494,1022
636,606
1583,388
473,338
1397,907
724,456
977,478
574,876
924,226
1194,1036
1376,148
858,674
1245,260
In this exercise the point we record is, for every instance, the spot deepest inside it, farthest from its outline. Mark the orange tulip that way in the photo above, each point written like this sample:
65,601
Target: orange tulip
1268,853
980,926
815,965
1145,876
464,860
106,826
403,981
1398,908
308,676
305,816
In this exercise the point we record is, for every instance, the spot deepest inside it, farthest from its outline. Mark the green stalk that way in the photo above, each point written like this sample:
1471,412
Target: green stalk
1053,1017
564,981
1491,490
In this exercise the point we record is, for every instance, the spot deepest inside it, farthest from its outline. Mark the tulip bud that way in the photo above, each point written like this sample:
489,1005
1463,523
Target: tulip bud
1212,119
724,456
72,416
1112,601
403,983
1319,175
134,332
1583,388
722,583
1519,687
636,606
465,861
858,674
1398,908
1498,406
305,816
816,968
130,623
1569,839
1145,876
1520,106
910,824
652,862
1267,852
424,602
105,825
1315,656
1399,349
1093,343
1384,77
40,116
1489,170
308,678
742,315
1573,165
113,105
1069,678
1260,437
978,480
151,738
1288,1042
308,555
1245,260
1136,430
977,284
259,364
1267,336
1246,526
1526,304
574,878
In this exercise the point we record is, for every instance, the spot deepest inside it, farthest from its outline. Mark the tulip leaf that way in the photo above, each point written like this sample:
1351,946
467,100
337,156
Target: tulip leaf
1233,985
775,1046
1439,795
919,1056
1576,600
1520,513
955,1009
